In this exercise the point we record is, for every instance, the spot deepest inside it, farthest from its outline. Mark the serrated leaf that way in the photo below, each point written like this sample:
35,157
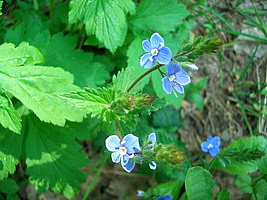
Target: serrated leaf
9,117
94,102
8,186
24,54
104,18
53,158
153,15
243,147
1,3
10,150
59,50
199,184
38,88
127,76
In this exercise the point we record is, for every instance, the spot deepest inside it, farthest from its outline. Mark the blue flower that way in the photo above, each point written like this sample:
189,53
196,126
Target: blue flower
152,141
156,52
176,78
212,145
166,197
123,150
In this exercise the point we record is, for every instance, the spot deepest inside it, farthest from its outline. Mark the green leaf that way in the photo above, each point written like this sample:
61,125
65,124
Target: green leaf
94,102
105,19
223,194
197,99
127,76
243,182
59,50
24,54
8,186
172,188
153,15
245,155
199,184
38,88
53,158
10,151
9,117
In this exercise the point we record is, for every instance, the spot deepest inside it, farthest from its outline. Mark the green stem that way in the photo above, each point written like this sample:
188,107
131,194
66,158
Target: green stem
35,4
212,163
118,129
51,12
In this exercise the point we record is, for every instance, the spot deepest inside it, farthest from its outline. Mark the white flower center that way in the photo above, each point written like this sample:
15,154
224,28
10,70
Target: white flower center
210,146
123,151
154,52
171,78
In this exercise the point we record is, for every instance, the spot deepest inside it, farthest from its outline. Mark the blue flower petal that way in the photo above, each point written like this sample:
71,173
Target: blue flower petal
209,139
179,88
164,56
173,68
214,151
168,197
153,165
112,143
152,138
182,78
166,84
146,45
132,143
145,62
204,146
216,141
129,166
116,157
156,40
124,159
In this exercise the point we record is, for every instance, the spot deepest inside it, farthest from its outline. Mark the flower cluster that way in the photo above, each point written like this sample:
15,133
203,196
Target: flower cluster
176,76
212,145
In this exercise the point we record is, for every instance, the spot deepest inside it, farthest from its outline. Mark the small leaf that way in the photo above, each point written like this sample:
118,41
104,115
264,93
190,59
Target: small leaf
243,182
199,184
8,186
223,194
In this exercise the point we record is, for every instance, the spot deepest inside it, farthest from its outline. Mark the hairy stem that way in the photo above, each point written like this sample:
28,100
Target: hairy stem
143,75
118,129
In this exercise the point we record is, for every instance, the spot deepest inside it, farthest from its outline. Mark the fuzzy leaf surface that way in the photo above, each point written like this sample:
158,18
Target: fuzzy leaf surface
53,158
104,18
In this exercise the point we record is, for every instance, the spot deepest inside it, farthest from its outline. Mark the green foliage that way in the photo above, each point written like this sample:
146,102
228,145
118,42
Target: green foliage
9,117
244,156
153,16
37,87
193,92
10,152
105,19
1,3
87,72
172,188
199,184
8,186
53,157
223,194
